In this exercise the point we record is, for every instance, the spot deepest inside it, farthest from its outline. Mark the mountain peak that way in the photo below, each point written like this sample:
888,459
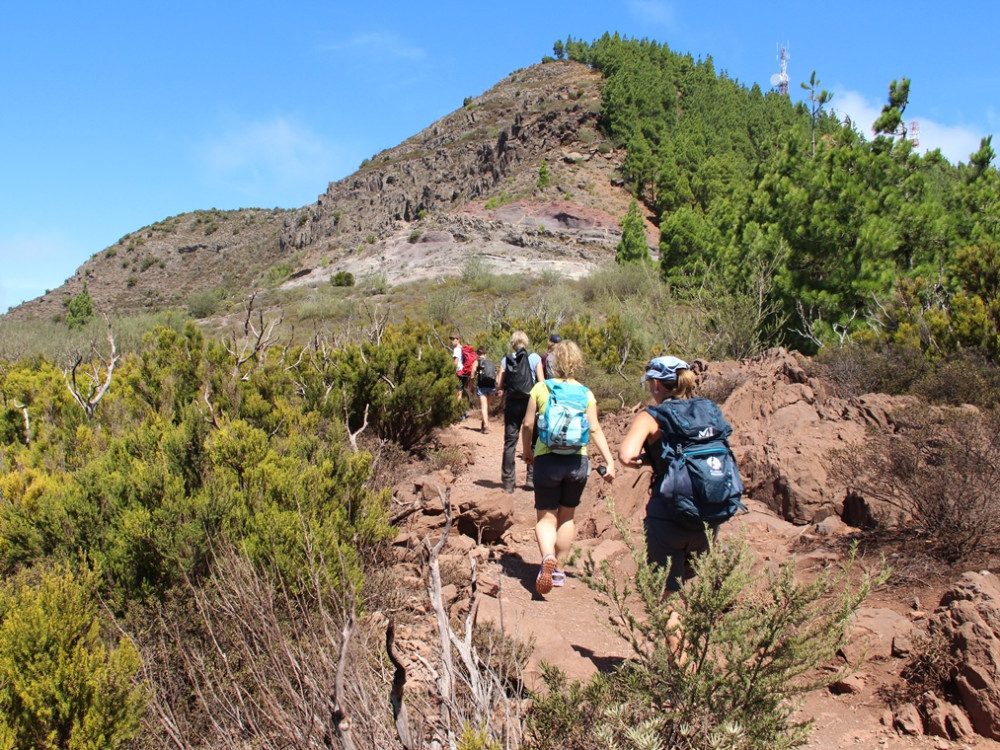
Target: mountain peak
470,184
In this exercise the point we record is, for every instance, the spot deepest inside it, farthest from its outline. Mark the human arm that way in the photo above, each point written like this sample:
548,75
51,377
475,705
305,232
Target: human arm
527,427
634,442
500,376
539,371
597,435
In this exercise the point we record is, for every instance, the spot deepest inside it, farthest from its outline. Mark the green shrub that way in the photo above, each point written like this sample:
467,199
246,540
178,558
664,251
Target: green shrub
414,236
476,273
376,282
543,175
408,390
342,278
60,685
203,303
724,663
277,275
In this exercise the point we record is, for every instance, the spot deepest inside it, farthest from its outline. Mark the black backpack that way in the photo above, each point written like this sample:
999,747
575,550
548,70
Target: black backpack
519,379
696,475
486,376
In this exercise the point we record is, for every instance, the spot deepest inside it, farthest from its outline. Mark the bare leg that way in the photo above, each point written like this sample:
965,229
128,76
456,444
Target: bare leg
565,531
545,532
484,407
555,531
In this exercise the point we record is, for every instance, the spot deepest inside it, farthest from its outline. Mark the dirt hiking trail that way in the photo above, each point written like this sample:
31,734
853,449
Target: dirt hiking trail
569,626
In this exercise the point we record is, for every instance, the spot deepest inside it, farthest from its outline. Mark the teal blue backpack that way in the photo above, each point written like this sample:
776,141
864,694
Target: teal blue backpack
564,427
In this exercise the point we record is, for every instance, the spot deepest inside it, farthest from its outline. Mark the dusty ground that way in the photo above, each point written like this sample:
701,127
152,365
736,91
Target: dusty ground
569,625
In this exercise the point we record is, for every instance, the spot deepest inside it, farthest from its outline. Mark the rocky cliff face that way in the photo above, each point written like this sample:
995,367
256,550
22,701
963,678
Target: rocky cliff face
467,185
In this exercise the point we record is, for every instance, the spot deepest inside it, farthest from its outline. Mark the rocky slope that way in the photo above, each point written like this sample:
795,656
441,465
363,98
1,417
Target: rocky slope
466,185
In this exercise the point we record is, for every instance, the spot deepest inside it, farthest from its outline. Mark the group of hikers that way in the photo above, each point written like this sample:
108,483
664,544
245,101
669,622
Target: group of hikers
695,484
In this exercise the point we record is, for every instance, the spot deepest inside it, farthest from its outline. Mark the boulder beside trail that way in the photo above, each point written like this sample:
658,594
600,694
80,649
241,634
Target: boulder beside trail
969,619
785,426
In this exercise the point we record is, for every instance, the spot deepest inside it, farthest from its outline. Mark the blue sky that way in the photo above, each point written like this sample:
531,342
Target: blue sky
117,115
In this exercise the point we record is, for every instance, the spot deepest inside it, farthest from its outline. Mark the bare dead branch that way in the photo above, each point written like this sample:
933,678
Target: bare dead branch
27,420
399,714
258,336
352,437
97,386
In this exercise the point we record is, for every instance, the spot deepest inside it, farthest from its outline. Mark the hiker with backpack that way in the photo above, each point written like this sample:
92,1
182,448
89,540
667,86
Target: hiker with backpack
485,376
519,372
464,357
565,414
696,484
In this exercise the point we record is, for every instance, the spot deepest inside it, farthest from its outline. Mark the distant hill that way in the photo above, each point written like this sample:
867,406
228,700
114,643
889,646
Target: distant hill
466,185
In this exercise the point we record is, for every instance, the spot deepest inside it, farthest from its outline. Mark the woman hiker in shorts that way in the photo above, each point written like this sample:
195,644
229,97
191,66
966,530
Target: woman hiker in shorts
560,477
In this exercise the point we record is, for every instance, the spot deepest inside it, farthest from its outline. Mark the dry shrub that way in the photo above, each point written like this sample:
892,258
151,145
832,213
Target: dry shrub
389,461
936,476
719,386
880,366
967,378
450,457
871,367
503,654
244,662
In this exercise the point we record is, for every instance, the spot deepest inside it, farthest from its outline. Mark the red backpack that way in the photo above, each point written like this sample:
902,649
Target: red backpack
468,360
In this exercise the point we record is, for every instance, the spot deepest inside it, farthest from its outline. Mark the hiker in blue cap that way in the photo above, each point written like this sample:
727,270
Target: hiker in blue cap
696,484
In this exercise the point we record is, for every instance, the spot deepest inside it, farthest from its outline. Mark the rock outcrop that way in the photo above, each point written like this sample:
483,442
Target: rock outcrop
969,619
786,424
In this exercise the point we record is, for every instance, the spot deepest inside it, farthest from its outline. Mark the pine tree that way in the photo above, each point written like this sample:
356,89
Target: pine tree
633,246
81,309
543,175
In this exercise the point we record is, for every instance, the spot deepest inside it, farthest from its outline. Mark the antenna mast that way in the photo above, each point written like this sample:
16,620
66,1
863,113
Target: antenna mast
780,79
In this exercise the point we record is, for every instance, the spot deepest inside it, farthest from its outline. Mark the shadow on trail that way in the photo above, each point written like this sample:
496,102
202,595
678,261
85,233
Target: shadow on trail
604,664
488,484
514,566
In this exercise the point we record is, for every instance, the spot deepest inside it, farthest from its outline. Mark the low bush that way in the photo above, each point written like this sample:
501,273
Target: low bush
342,278
724,663
60,685
203,303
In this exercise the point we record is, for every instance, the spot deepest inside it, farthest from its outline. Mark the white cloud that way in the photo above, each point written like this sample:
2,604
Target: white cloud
956,142
377,44
258,157
654,12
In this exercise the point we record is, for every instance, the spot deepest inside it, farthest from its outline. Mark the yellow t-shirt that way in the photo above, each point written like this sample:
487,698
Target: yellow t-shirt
540,393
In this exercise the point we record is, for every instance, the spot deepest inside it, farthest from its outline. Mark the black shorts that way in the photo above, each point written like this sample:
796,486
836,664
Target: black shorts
559,480
668,544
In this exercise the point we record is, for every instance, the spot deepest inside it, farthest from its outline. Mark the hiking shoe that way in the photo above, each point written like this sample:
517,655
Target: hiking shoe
558,578
544,583
529,480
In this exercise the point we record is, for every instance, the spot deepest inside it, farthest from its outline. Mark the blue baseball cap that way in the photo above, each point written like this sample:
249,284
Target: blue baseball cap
664,368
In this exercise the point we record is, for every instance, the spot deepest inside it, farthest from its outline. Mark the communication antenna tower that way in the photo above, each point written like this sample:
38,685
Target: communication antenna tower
780,79
915,134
